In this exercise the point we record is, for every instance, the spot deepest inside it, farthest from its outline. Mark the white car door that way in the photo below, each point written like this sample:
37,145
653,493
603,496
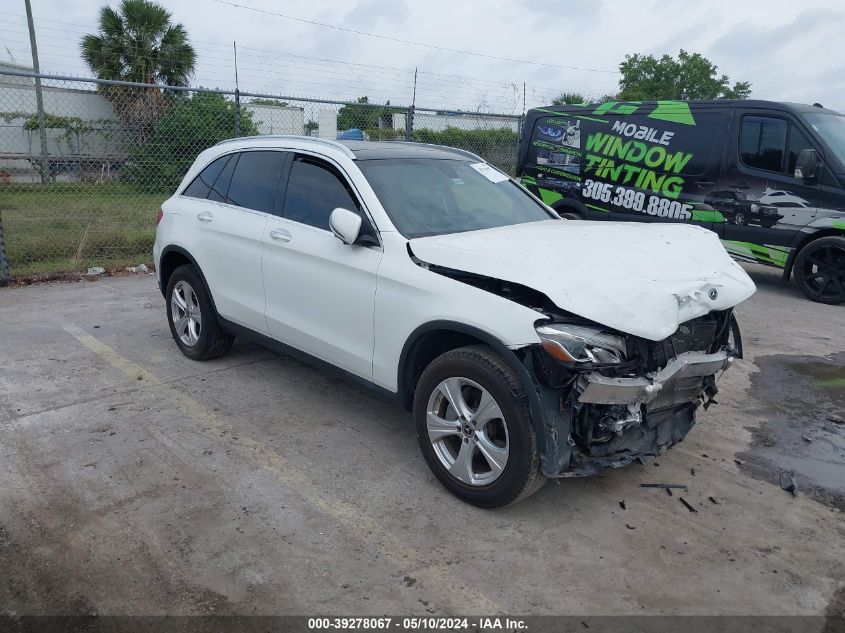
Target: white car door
320,292
225,241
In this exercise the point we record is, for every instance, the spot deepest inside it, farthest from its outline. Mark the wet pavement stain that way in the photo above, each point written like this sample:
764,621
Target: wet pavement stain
802,399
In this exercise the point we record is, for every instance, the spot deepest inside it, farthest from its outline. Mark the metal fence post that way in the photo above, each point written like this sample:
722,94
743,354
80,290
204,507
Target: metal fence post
5,275
409,124
237,112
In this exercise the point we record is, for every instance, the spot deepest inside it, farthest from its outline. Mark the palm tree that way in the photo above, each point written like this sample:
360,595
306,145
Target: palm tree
138,43
569,98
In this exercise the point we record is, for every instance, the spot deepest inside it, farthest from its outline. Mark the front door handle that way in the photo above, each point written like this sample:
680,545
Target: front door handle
281,235
205,216
704,183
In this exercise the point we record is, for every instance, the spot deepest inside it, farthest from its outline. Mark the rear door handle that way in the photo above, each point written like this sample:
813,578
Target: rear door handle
205,216
281,235
704,183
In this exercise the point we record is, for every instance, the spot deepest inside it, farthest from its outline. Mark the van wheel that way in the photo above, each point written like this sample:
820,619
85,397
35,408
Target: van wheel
820,270
570,215
192,318
474,428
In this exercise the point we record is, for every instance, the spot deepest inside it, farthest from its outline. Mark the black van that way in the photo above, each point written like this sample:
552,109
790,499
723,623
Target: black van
768,178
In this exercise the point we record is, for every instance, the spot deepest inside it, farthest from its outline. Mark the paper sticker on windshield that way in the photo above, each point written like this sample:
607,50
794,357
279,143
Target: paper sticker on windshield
493,175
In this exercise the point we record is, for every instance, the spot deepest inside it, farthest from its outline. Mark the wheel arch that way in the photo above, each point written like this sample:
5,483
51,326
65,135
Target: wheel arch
804,241
569,205
171,258
434,338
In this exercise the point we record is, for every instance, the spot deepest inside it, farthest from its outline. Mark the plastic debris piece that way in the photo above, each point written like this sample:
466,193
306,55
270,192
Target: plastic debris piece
687,505
787,482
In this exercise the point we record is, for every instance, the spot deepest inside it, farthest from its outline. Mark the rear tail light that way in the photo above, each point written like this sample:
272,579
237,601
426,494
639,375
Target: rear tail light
159,216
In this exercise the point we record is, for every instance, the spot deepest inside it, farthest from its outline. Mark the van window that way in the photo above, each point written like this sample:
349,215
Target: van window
762,142
255,181
797,143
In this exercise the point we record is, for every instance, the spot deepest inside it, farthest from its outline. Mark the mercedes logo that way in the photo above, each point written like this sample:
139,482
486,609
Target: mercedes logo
713,294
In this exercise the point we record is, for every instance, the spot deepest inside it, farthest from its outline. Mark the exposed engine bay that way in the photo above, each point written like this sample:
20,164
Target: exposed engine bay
611,415
611,398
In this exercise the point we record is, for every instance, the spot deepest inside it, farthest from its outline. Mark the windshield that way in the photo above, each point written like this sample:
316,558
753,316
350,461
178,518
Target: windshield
831,127
425,196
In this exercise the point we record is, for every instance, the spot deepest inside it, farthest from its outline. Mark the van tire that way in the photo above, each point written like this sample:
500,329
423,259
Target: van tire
819,268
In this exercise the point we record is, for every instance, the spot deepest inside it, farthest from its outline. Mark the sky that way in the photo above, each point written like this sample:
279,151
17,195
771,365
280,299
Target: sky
789,51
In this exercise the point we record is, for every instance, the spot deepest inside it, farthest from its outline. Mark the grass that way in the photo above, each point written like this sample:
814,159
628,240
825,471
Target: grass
67,227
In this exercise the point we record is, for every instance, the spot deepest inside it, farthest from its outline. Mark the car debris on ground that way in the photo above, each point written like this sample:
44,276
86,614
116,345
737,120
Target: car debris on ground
787,482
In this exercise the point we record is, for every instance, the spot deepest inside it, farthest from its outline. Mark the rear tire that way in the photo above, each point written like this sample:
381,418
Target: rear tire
192,317
819,270
484,450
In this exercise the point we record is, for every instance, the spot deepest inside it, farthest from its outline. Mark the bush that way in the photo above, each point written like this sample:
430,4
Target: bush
189,126
497,146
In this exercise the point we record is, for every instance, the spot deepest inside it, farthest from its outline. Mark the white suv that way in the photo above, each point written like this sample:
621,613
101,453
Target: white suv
527,346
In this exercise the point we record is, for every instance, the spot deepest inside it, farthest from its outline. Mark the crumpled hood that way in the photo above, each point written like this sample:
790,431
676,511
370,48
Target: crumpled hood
643,279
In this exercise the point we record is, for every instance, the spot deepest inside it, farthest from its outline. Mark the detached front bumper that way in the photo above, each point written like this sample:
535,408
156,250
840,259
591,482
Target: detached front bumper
598,389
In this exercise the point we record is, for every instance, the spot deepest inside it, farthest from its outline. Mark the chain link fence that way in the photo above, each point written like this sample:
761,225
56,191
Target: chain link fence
81,182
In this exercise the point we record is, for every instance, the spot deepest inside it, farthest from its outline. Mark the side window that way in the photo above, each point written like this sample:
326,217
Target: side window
762,141
315,190
201,185
221,185
255,181
797,142
556,141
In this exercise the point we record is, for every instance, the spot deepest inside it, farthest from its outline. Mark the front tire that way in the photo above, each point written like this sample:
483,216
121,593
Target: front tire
192,318
475,430
819,270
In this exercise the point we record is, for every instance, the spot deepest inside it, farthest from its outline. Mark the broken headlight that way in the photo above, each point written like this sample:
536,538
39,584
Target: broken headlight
576,344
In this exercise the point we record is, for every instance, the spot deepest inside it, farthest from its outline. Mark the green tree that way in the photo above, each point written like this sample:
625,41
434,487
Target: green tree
138,43
270,102
189,126
569,98
366,116
690,76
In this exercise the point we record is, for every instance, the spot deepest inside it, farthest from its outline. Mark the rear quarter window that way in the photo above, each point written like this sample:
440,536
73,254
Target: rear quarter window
202,184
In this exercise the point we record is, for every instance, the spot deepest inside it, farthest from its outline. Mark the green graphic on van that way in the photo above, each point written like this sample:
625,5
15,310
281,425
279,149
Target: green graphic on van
707,215
772,255
671,111
658,163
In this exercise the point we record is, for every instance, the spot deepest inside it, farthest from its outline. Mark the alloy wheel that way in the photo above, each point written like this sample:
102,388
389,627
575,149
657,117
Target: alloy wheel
186,314
466,428
823,272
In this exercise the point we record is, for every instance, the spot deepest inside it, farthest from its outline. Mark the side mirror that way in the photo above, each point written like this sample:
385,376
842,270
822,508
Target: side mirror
345,224
807,165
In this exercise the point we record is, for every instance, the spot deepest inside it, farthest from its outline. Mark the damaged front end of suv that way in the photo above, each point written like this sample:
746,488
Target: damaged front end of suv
609,398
